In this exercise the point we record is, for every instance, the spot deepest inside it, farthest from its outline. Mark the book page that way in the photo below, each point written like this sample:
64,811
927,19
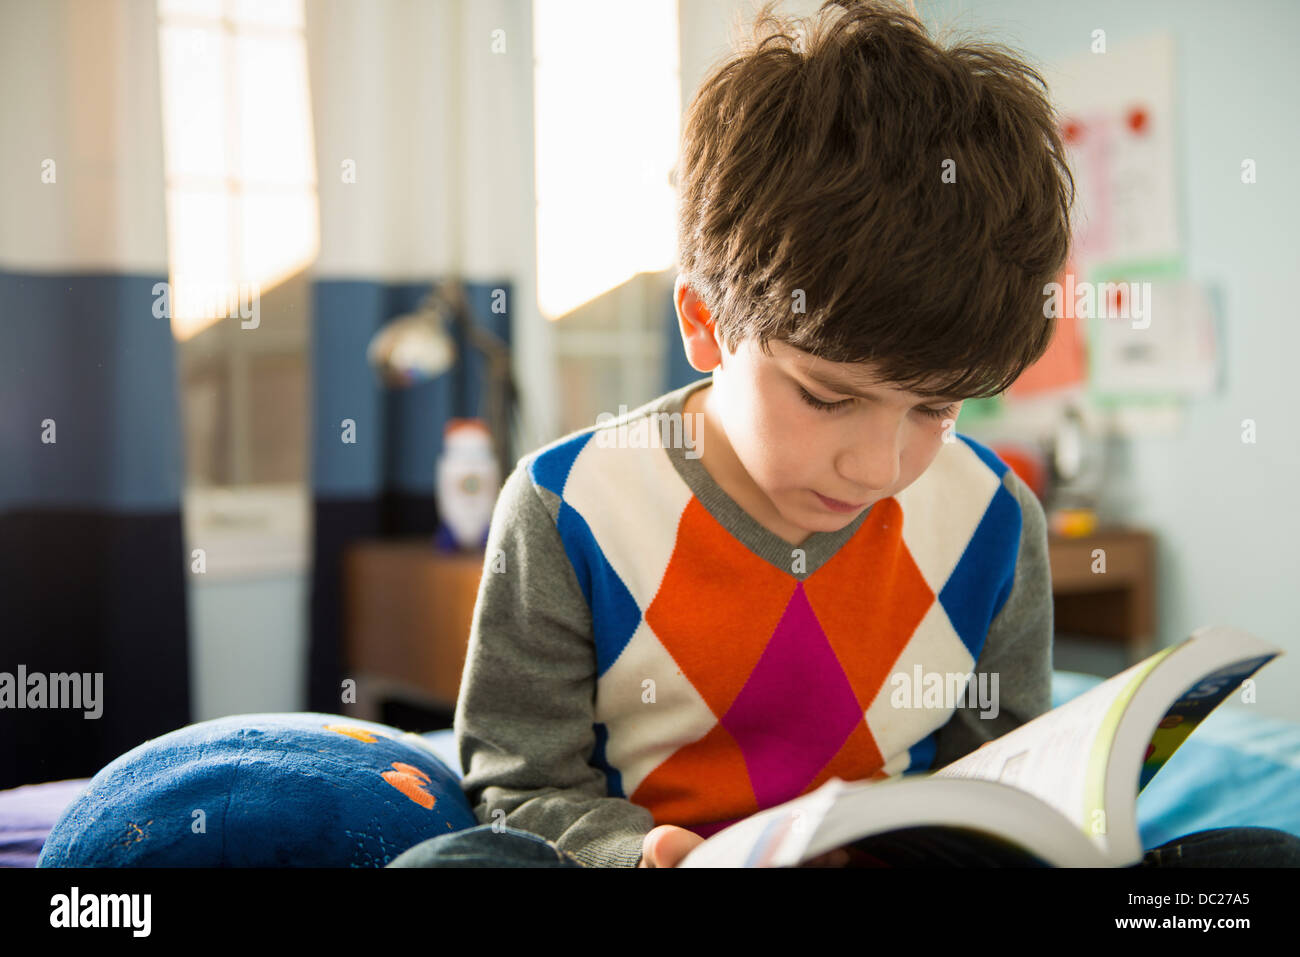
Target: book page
1052,757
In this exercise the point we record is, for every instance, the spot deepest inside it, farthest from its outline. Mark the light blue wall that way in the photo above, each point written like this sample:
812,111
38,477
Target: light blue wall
1224,512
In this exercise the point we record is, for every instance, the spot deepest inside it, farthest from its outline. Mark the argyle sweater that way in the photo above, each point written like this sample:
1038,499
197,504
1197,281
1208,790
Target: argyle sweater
644,652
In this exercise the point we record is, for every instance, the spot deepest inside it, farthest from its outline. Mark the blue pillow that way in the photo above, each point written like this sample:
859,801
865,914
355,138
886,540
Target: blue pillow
262,790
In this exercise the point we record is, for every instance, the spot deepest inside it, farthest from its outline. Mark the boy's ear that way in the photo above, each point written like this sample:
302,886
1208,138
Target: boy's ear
695,323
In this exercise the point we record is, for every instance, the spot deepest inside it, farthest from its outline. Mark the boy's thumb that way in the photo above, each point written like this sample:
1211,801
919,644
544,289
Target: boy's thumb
666,845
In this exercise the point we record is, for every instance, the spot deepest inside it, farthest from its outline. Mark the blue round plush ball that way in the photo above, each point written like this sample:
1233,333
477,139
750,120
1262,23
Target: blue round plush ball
262,790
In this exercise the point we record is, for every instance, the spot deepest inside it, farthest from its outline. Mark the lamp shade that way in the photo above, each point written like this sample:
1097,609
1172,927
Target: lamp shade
411,349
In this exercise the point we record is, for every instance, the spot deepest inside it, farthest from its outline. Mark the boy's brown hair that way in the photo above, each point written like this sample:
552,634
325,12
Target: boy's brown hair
813,159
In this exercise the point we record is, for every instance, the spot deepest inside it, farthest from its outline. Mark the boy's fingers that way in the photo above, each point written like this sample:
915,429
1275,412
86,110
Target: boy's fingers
647,850
666,845
650,848
676,845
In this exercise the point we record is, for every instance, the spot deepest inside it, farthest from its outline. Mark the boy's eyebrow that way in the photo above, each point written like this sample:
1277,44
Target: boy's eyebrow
831,382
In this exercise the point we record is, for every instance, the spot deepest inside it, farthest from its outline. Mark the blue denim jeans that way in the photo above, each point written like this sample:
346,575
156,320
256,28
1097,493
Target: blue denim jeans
483,847
1228,847
1219,847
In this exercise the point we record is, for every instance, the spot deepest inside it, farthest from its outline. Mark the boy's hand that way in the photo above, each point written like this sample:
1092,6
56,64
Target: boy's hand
667,844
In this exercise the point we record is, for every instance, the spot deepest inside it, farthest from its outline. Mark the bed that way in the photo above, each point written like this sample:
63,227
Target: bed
1239,768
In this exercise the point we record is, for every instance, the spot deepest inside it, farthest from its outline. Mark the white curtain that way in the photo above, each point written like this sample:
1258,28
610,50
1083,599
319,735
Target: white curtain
431,100
423,124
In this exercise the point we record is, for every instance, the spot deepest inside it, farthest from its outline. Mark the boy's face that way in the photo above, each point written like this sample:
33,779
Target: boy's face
818,467
821,467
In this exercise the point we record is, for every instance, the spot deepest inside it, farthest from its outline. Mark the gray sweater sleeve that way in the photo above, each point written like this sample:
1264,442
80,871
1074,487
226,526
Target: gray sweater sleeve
1018,647
524,714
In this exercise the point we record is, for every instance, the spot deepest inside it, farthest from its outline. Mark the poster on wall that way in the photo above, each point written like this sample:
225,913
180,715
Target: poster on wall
1117,120
1159,351
1153,342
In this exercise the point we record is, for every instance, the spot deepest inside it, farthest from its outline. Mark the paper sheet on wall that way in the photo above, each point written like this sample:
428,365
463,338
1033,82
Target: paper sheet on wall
1117,114
1117,111
1168,353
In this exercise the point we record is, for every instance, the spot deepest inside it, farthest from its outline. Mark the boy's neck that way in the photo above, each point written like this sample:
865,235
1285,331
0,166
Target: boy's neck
724,467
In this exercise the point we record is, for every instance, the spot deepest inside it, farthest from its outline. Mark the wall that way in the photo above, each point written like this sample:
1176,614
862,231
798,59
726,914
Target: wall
1223,511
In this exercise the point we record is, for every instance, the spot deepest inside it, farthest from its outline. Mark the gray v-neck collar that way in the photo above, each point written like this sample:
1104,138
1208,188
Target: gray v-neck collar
767,545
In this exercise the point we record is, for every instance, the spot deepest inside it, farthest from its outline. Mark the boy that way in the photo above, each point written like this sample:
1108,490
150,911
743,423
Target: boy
703,608
684,636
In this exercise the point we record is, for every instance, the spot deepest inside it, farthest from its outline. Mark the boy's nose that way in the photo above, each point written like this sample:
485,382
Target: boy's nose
872,467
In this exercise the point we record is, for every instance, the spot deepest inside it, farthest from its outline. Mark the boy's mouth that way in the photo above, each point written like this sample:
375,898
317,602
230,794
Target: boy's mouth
835,505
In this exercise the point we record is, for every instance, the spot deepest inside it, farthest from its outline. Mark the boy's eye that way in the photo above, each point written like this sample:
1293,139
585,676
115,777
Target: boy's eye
817,403
940,413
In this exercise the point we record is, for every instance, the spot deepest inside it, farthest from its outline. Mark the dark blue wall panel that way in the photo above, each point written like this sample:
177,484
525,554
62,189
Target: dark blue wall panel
87,351
92,567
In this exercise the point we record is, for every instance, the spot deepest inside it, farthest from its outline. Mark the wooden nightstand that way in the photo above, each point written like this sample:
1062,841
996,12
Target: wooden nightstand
407,610
1118,605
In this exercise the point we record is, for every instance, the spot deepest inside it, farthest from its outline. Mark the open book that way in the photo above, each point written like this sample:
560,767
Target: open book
1060,790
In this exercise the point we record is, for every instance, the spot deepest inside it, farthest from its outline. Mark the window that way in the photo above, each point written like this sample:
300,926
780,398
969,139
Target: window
243,226
608,120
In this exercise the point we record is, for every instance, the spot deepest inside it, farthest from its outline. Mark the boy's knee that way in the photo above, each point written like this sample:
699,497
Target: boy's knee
485,845
1228,847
